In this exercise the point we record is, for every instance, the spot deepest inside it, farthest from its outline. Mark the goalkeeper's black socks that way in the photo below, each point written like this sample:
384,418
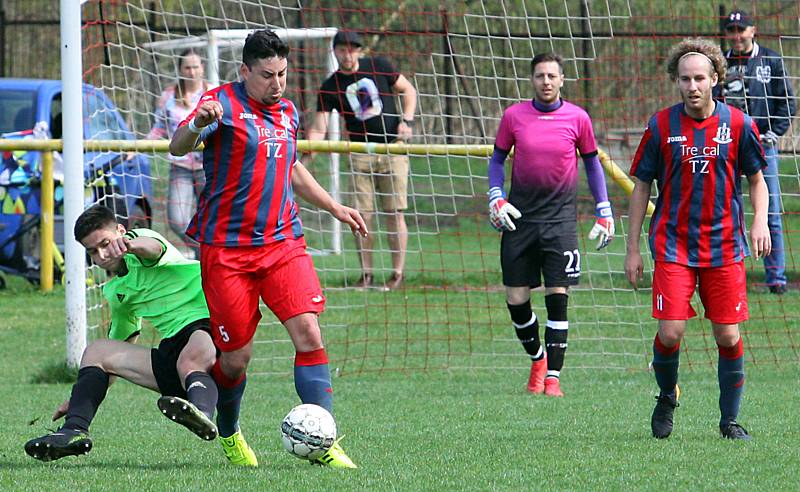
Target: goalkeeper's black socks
88,393
555,333
730,371
201,390
312,378
665,365
526,325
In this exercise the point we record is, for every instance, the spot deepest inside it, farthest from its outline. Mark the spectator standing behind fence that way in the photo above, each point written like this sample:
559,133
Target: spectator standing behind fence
364,91
757,84
186,177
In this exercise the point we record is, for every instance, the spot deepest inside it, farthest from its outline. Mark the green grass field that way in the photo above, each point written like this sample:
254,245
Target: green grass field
459,429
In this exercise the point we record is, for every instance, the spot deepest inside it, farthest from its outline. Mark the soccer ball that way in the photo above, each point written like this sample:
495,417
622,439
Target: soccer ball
308,431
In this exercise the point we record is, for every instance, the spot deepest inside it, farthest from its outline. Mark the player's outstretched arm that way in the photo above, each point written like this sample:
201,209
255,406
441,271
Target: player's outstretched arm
759,231
309,190
634,266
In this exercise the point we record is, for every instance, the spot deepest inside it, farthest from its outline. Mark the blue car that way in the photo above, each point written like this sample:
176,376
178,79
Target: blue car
32,109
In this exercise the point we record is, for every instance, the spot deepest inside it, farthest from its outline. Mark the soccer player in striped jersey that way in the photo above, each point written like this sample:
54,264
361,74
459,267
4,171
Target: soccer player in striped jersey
539,219
251,239
697,150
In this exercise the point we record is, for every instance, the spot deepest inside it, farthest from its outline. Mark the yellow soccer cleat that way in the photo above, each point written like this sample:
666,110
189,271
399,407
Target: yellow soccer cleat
335,457
237,450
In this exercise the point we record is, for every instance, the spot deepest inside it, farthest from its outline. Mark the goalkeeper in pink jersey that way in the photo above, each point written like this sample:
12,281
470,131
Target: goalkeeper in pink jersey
539,218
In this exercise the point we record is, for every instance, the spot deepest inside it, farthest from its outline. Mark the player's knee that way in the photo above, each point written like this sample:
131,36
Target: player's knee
97,355
200,358
727,339
234,364
517,295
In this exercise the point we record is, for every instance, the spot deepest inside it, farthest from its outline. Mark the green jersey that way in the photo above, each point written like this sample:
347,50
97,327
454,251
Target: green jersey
167,292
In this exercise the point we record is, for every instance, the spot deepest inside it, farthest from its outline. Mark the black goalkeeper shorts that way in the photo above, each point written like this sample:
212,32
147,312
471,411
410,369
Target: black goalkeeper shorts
164,358
537,250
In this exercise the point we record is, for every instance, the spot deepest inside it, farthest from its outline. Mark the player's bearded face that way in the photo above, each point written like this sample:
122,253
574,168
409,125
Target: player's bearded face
265,81
547,81
347,56
696,79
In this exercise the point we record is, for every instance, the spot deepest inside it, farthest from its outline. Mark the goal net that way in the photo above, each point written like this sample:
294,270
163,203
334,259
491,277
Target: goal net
468,61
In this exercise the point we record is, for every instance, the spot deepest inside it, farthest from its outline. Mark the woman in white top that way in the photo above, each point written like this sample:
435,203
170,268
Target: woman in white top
186,178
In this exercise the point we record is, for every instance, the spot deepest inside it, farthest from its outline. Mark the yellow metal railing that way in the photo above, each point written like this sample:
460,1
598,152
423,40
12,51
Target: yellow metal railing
48,252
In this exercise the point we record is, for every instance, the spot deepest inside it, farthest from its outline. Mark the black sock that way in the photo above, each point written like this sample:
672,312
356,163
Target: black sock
88,393
526,326
201,390
555,334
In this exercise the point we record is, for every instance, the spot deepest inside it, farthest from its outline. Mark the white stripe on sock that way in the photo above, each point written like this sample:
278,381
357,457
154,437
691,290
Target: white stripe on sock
558,325
529,323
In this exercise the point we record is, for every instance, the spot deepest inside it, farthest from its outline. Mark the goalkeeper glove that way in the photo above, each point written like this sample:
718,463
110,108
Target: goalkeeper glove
603,229
501,212
769,138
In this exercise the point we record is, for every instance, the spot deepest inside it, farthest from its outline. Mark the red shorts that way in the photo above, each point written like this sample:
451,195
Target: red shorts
282,274
723,292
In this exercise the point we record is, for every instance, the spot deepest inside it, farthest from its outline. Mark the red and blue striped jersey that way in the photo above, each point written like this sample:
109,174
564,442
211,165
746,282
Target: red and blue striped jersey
248,158
699,216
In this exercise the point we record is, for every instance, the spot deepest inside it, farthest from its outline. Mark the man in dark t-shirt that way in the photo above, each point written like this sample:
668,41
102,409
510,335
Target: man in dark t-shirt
364,91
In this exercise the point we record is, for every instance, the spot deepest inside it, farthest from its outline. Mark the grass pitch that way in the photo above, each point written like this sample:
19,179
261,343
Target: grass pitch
413,430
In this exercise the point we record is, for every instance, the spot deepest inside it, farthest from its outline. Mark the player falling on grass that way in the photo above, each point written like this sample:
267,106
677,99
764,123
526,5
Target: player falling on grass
539,220
250,235
153,281
697,150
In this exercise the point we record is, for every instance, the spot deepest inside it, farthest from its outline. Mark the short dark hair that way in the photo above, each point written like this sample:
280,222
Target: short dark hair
547,57
263,44
92,219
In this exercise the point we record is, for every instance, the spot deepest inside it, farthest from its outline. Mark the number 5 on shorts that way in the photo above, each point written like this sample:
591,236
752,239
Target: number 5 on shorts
223,333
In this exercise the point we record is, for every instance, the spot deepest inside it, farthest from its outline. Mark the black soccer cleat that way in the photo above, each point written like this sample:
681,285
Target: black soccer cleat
186,414
732,430
661,421
56,445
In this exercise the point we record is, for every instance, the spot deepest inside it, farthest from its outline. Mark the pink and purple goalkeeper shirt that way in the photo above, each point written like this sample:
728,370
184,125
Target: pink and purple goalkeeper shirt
544,174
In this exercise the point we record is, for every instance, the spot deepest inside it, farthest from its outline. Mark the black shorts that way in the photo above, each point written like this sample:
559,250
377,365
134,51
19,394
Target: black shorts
164,358
537,250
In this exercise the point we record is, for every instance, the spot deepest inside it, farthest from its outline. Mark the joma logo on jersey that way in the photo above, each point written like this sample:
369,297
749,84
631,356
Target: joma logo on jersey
247,116
723,135
677,138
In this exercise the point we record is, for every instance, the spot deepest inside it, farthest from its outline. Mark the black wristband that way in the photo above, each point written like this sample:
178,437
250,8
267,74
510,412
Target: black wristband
410,123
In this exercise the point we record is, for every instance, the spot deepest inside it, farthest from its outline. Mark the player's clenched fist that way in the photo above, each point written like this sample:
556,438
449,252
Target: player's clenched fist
207,113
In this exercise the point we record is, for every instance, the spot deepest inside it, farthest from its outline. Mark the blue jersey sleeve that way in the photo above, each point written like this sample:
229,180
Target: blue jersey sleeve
647,160
751,154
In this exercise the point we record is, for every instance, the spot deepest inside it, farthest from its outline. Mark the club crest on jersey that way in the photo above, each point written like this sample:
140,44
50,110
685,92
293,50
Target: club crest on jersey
723,134
764,74
285,120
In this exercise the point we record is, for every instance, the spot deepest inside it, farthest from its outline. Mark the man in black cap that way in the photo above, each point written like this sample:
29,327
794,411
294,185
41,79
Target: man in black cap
364,91
756,83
